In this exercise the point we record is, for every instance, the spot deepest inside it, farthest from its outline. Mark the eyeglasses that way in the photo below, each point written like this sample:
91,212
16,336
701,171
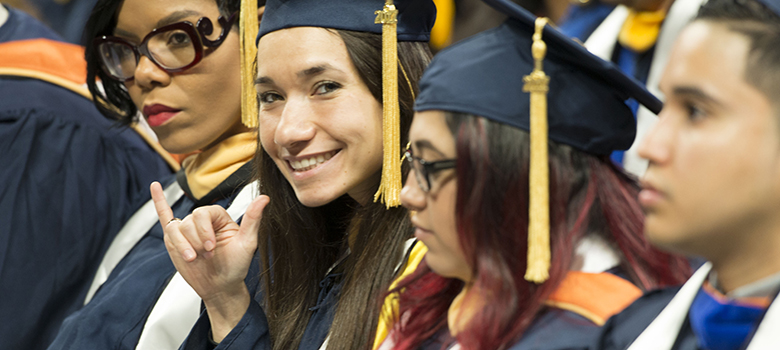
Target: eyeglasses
424,169
173,48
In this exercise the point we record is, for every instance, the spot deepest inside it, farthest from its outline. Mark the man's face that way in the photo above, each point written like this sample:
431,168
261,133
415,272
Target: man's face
714,173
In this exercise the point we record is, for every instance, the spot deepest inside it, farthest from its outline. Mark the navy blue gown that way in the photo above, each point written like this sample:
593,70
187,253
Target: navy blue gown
252,331
115,317
622,329
70,179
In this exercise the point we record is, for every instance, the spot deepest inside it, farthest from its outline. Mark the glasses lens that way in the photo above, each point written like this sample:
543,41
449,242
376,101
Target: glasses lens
172,49
419,171
118,59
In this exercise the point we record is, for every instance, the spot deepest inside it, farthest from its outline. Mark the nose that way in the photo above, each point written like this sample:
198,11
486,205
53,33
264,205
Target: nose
294,129
656,146
148,75
412,196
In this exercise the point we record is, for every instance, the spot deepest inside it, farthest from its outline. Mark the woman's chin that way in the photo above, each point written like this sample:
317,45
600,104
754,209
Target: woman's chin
313,200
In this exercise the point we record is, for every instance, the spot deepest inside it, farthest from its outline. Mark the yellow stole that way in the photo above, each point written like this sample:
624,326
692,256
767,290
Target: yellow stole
207,169
640,30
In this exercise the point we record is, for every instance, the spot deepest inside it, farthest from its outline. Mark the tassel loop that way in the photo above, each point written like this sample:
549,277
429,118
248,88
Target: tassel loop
537,83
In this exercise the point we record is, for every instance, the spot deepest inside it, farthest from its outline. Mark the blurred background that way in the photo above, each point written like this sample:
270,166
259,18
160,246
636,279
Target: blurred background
456,19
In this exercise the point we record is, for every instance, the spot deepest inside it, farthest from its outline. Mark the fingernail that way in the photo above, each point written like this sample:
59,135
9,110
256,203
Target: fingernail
189,255
208,245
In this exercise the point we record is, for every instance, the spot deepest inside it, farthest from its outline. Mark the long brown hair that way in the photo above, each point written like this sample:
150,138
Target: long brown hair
299,244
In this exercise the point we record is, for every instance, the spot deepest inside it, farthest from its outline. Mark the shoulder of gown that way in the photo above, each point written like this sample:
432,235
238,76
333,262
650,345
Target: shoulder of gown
622,329
70,180
122,305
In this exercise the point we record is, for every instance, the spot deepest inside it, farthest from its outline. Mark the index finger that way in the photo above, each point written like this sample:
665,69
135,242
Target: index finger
164,211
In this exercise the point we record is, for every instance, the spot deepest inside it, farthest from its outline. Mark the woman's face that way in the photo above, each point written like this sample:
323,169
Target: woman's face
433,213
193,109
318,120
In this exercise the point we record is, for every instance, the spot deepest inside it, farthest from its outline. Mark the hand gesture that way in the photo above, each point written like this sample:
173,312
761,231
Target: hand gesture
213,254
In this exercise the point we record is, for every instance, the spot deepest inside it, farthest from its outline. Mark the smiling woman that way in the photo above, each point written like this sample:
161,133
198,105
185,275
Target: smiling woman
328,251
178,63
313,105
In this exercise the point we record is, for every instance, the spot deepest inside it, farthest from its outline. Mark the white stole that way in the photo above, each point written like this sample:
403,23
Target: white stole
134,229
602,43
662,332
178,307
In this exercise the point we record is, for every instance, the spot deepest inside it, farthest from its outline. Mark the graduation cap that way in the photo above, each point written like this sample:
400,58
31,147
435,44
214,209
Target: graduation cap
529,75
404,20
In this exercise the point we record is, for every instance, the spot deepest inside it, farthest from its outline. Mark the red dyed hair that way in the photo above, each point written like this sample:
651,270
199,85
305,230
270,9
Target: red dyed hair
587,194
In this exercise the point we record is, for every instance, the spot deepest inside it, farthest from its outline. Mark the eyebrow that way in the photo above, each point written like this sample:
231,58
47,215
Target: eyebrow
425,144
306,73
174,17
695,92
264,81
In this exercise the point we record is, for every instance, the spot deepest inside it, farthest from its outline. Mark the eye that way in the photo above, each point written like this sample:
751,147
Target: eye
268,97
178,38
326,87
694,112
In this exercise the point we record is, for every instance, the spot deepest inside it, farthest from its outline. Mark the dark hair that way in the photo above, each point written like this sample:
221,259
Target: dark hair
115,102
761,26
588,195
302,243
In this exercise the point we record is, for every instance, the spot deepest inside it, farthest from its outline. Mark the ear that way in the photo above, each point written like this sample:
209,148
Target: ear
260,12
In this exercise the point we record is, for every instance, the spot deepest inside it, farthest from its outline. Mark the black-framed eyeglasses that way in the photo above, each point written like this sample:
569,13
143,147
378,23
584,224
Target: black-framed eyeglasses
173,48
423,169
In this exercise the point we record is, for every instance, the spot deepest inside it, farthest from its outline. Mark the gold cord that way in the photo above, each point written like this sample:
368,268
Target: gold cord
408,82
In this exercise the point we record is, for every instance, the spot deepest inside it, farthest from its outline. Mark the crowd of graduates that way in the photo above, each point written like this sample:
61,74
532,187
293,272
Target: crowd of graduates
391,174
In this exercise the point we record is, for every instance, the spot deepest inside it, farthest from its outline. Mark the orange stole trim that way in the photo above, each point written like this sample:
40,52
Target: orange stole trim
595,296
757,302
60,59
61,64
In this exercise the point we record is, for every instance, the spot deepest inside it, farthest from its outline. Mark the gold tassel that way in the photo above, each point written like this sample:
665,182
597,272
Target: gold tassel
390,187
249,28
537,83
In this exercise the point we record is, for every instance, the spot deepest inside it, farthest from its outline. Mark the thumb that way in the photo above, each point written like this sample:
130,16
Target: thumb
250,223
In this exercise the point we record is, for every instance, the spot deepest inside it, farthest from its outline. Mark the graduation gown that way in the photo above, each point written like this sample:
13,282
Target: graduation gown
252,331
69,180
572,316
660,320
116,316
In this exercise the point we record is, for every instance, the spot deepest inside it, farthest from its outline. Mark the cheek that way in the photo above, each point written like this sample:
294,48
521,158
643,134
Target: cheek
267,129
443,209
135,94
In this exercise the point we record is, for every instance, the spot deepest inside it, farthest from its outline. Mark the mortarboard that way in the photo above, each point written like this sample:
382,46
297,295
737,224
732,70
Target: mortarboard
404,20
491,74
415,17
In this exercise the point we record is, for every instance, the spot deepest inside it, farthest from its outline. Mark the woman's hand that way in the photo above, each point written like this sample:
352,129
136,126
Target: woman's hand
213,254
